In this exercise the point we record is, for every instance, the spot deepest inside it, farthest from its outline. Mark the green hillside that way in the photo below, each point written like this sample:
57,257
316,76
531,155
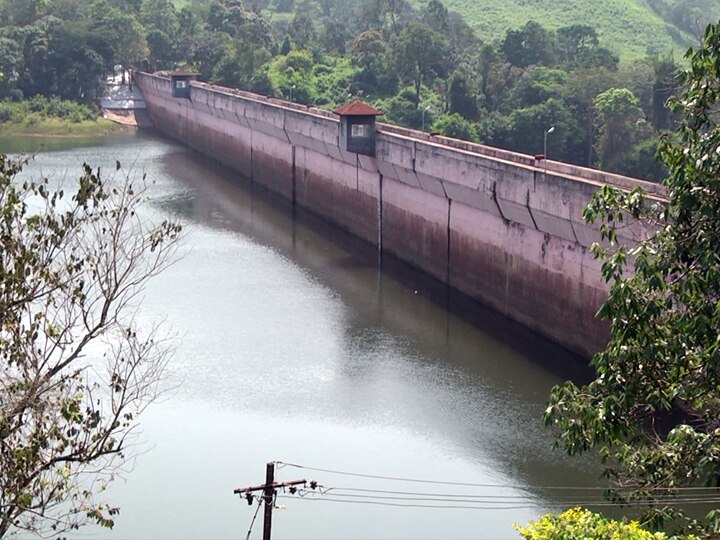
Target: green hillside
630,28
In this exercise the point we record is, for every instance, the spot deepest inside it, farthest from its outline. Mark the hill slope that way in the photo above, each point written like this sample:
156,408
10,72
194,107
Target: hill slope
629,28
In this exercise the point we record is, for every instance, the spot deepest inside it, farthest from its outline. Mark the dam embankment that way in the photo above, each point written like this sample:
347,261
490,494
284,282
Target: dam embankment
501,227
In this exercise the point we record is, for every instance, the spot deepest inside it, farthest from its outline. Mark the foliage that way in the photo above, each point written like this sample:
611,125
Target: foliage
579,524
76,369
531,45
621,123
454,125
644,27
653,409
42,107
419,52
508,91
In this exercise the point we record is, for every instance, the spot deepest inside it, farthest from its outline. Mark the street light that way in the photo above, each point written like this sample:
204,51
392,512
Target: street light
423,116
548,131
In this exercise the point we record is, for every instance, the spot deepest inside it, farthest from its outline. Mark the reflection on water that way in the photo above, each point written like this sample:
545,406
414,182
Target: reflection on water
294,346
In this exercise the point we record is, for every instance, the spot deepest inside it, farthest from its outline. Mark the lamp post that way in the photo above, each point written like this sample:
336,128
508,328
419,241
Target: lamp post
423,116
547,132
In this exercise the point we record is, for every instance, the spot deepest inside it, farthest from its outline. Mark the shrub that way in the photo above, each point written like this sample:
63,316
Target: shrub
581,524
32,119
454,125
37,104
39,108
10,112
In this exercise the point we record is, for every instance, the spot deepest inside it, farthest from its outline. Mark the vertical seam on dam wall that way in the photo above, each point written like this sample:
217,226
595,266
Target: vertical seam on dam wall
380,213
252,162
294,176
527,205
447,259
495,200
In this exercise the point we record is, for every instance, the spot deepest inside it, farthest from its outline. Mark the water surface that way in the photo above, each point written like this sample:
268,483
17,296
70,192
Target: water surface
294,345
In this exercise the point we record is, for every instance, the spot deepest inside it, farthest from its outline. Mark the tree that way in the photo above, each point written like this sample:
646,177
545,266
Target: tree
461,99
573,40
21,12
161,49
302,31
127,36
226,16
74,66
10,64
419,53
211,48
335,37
75,369
240,65
436,16
368,51
653,409
454,125
578,46
160,15
538,84
583,85
527,126
531,45
621,123
664,87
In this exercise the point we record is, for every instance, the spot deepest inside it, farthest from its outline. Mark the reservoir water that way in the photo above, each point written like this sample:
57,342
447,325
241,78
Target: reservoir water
296,343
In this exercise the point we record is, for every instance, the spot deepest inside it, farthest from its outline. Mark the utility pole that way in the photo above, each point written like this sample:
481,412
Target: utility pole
269,496
269,489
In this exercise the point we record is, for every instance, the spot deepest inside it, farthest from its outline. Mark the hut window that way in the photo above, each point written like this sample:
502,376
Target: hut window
180,84
360,130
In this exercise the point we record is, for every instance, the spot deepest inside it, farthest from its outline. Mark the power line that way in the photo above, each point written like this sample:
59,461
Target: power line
259,499
489,499
427,494
494,486
501,506
402,479
418,495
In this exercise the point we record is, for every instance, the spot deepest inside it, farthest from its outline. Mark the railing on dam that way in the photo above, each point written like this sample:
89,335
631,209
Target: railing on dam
568,170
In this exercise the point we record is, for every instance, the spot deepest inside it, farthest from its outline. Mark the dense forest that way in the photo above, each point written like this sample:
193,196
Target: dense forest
423,65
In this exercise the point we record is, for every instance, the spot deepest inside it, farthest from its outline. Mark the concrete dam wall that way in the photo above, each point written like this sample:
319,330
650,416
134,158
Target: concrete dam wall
498,226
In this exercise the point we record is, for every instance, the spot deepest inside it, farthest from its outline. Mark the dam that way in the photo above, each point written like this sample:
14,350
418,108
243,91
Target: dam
504,228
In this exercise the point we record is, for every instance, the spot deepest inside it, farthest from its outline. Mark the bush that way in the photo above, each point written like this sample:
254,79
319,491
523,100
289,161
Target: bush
10,112
581,524
37,104
39,108
454,125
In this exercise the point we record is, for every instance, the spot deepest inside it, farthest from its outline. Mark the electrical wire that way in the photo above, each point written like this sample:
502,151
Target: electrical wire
281,464
425,494
468,497
489,499
501,506
254,517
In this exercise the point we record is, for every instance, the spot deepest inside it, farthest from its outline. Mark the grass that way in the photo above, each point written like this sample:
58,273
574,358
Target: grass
630,28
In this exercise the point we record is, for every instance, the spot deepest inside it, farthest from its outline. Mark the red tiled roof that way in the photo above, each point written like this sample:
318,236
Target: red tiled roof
357,108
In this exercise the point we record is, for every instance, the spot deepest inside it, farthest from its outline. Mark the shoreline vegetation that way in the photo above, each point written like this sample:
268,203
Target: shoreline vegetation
53,117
